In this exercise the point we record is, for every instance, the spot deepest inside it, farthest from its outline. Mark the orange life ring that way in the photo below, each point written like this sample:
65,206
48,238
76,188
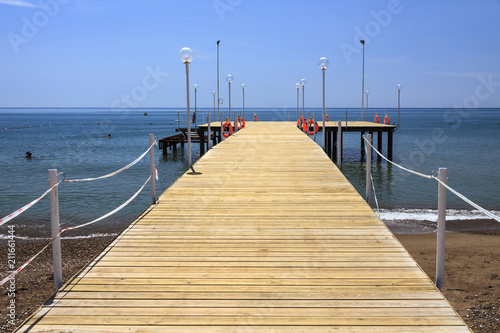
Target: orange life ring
298,123
304,127
376,119
227,129
255,117
313,127
243,123
387,120
327,118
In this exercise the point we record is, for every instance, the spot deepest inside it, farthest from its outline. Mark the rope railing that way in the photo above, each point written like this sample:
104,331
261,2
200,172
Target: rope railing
461,196
21,210
14,273
54,182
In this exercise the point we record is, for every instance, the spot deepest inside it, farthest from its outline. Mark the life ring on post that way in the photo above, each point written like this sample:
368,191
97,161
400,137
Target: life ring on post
227,129
243,124
255,117
387,120
313,127
376,119
327,118
305,126
239,122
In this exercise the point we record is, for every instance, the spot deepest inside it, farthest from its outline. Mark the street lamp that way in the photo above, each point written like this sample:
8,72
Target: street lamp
213,94
186,55
399,102
323,64
303,84
229,79
195,87
243,87
297,85
363,81
367,92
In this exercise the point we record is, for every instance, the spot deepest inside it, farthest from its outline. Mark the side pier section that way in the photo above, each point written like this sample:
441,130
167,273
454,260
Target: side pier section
267,236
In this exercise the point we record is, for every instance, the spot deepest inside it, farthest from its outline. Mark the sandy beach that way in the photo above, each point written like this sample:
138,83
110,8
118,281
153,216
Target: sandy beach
472,282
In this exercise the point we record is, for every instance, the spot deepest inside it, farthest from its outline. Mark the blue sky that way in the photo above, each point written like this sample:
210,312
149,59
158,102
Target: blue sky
83,53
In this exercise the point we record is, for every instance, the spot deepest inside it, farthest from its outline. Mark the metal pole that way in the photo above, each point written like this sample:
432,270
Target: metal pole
399,104
363,83
339,145
230,105
366,106
323,127
298,115
314,124
195,104
55,229
368,168
441,228
152,167
209,132
303,104
218,99
243,103
221,137
215,118
189,117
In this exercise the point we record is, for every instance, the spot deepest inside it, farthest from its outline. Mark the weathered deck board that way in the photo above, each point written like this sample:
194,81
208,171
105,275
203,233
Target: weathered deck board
269,237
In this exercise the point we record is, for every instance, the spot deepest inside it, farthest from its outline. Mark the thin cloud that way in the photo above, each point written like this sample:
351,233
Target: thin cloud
17,3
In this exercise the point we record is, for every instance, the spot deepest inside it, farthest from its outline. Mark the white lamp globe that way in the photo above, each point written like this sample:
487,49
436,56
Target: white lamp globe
186,55
195,87
243,86
323,63
297,85
303,82
399,86
229,78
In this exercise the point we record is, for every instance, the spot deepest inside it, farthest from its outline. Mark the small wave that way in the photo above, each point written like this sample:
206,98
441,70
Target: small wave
5,237
431,214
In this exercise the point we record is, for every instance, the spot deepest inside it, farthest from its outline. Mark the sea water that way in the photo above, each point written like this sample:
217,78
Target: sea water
90,142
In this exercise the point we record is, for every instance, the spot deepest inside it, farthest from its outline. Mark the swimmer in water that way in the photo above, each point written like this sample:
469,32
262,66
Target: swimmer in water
28,155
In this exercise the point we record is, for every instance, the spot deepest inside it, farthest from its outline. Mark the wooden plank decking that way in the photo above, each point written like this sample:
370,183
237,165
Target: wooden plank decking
269,237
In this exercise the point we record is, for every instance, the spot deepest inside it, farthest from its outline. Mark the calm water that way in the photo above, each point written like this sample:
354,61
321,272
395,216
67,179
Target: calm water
76,143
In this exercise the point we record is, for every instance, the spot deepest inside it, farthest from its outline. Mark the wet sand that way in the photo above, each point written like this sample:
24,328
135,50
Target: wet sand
472,273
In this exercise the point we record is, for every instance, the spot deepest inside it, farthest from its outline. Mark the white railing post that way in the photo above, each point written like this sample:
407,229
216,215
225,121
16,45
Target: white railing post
209,132
339,145
152,167
368,168
55,229
441,228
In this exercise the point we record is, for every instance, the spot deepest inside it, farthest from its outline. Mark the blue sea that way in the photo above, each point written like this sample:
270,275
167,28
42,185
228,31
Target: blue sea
90,142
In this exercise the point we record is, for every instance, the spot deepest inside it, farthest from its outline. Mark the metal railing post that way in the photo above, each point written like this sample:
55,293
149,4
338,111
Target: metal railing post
368,168
55,229
339,145
152,167
441,228
209,132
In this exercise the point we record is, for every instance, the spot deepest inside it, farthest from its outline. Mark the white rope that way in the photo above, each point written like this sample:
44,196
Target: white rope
113,173
470,202
399,166
14,273
25,208
375,194
461,196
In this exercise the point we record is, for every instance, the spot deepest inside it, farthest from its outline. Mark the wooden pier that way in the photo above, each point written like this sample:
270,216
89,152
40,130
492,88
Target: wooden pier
266,236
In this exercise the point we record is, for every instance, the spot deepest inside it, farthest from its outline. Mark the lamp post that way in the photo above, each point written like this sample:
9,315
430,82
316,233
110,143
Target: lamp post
213,94
229,80
297,85
367,92
363,81
303,84
399,100
195,87
323,64
243,87
186,55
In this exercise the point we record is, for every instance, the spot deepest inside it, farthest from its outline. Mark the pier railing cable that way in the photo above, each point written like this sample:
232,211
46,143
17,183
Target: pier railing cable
461,196
56,232
14,273
21,210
